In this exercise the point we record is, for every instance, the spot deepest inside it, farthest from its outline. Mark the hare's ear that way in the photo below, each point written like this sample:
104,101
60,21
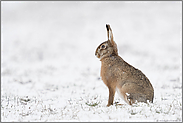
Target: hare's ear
110,38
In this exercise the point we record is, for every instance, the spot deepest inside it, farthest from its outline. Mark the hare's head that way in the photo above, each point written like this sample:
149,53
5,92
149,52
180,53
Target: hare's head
108,47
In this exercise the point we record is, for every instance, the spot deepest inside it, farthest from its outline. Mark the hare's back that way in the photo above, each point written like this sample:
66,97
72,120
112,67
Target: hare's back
128,73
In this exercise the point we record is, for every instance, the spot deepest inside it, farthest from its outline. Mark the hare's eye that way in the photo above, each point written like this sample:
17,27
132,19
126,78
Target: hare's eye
103,46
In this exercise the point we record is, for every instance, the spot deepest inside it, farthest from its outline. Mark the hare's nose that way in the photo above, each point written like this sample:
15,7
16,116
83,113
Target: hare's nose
97,55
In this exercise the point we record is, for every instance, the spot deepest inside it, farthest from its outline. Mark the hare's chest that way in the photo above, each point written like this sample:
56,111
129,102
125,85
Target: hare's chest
108,74
111,73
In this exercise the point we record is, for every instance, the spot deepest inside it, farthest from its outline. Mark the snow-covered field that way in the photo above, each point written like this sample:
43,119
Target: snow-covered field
49,71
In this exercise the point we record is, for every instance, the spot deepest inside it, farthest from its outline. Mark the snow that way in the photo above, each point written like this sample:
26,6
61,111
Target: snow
49,71
127,94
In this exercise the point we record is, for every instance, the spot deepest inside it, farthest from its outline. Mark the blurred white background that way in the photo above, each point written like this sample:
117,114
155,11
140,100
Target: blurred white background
36,31
48,44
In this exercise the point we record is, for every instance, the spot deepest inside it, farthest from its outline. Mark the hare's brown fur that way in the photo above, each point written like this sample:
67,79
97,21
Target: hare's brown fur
117,74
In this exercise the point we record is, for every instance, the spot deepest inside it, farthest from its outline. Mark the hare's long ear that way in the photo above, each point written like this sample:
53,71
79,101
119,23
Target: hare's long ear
111,39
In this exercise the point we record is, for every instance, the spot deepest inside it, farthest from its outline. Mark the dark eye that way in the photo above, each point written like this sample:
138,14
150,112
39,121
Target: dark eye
103,46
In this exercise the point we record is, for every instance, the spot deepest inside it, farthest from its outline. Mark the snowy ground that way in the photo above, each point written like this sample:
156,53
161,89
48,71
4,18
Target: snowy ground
49,71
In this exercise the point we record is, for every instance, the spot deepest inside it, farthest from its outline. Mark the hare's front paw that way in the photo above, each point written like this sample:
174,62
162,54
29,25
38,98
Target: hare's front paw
109,105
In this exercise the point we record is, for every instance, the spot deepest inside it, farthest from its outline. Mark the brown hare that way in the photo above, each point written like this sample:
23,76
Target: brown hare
130,83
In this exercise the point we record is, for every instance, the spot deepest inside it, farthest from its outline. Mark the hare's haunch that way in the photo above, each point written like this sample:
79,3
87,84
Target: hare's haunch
130,83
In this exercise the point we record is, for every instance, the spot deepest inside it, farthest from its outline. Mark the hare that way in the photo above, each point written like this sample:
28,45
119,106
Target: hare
130,83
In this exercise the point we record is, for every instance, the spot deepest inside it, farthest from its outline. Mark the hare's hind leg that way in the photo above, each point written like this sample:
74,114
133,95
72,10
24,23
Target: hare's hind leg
131,92
123,95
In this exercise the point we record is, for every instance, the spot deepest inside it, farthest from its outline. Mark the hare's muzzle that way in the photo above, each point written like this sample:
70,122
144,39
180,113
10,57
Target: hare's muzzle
97,54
